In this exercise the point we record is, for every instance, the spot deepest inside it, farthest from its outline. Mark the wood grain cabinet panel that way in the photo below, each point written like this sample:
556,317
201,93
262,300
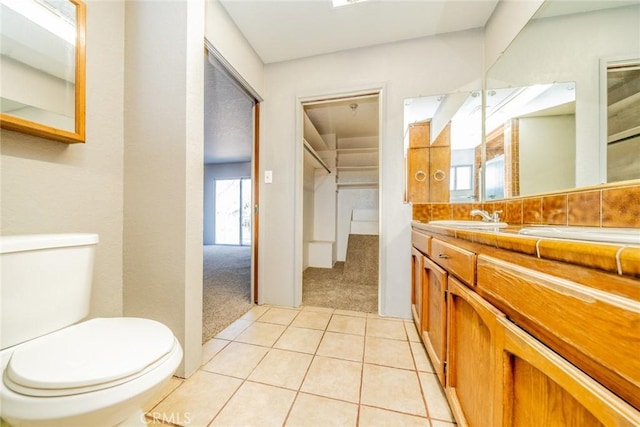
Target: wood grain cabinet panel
439,166
418,175
473,386
543,389
434,315
457,261
420,135
596,331
420,241
416,287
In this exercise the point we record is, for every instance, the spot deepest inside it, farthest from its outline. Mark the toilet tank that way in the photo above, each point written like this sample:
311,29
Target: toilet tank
45,283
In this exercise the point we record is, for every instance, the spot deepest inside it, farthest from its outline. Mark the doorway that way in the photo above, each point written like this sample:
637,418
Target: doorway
229,229
340,197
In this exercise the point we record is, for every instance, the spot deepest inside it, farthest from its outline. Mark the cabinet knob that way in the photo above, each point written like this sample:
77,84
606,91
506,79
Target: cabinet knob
443,256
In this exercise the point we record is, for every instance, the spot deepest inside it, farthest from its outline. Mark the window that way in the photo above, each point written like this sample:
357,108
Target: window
233,211
461,177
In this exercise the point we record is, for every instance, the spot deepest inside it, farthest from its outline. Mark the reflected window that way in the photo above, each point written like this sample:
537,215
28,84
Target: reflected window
461,177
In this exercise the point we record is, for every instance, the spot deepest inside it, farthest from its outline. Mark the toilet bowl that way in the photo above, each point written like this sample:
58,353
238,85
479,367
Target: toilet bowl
97,372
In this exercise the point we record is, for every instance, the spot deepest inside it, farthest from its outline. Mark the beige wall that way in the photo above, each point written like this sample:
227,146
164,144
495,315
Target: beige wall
427,66
53,187
547,153
163,161
223,35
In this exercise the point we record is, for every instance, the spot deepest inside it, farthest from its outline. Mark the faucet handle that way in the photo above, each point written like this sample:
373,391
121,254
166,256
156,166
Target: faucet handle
495,216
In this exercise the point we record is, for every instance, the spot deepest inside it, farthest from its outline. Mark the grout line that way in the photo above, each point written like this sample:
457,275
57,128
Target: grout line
314,355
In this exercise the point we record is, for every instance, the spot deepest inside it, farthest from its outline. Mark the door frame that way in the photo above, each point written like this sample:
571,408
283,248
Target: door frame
225,66
301,101
255,220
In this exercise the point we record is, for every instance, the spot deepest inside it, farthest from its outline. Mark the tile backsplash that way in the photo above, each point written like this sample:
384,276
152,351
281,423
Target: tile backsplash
605,206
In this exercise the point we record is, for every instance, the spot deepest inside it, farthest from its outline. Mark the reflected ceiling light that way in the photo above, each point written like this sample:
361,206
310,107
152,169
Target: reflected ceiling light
338,3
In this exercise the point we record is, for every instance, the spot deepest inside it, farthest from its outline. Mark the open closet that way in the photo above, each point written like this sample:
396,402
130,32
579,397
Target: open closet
341,203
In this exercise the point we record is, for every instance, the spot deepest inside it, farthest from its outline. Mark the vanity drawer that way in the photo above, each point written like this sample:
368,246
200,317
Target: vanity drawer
595,330
420,241
457,261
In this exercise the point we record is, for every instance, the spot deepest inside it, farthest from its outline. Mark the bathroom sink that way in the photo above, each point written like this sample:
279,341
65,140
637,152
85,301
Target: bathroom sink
594,234
468,224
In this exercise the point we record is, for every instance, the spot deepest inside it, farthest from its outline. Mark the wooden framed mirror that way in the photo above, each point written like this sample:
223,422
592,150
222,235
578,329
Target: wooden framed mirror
42,91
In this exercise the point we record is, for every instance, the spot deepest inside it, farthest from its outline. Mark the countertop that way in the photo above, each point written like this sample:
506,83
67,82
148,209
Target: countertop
615,258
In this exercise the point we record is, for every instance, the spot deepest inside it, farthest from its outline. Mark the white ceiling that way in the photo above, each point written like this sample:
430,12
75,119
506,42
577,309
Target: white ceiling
339,118
284,30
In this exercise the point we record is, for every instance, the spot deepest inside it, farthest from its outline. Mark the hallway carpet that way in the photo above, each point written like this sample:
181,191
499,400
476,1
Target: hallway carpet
226,287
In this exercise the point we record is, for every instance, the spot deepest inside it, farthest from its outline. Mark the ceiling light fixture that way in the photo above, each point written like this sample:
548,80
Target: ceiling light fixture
353,107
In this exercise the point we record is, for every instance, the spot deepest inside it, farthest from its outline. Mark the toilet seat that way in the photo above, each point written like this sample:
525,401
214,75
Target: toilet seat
89,356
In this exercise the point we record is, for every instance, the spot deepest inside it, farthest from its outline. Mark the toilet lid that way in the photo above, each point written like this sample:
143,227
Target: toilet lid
98,351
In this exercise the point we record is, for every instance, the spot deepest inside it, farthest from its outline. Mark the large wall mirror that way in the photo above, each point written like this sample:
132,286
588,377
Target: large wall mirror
42,91
443,140
563,101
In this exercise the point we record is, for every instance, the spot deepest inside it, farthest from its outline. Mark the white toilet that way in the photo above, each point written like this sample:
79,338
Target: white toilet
57,372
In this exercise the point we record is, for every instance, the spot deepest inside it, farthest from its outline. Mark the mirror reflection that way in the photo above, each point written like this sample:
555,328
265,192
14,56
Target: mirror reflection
38,60
573,42
443,136
530,144
623,120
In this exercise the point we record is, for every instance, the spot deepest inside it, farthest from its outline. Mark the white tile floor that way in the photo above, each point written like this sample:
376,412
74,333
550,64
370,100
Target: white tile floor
309,367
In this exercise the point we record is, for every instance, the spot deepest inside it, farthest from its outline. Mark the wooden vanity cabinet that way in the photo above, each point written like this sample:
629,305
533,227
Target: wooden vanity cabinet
596,330
416,287
529,342
458,261
540,388
434,315
419,248
473,366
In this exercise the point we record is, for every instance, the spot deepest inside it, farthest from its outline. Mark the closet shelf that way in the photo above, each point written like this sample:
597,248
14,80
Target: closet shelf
369,184
315,157
357,150
357,168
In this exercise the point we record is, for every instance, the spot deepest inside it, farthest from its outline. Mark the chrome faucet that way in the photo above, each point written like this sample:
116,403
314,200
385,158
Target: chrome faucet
494,217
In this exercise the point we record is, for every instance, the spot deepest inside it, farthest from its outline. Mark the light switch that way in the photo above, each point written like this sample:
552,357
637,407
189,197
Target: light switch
268,177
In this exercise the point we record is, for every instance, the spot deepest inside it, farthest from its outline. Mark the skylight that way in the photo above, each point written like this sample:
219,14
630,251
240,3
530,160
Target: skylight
338,3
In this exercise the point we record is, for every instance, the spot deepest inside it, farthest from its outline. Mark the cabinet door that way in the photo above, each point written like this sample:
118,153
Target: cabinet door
416,286
473,380
420,135
418,175
439,168
543,389
434,315
595,330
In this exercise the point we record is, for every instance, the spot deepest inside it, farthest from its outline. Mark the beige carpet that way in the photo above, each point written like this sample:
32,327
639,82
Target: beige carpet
349,285
226,287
